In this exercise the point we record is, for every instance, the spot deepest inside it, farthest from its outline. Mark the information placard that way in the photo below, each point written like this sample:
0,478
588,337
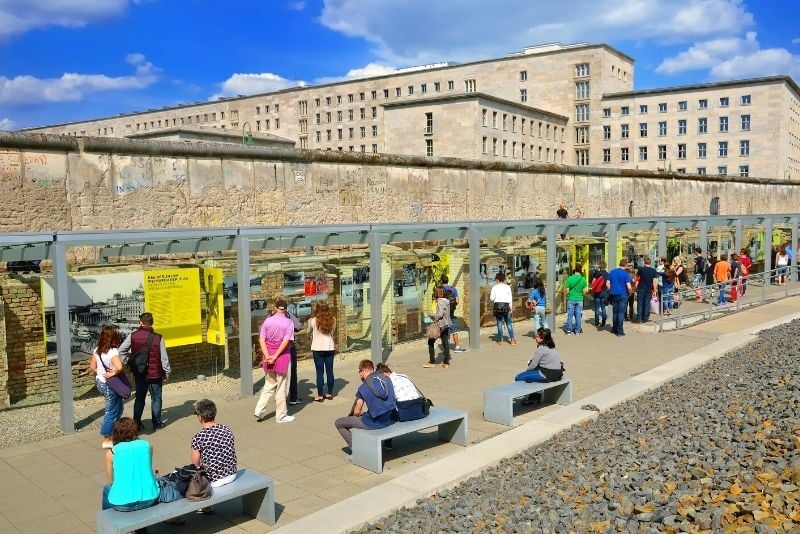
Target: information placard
173,297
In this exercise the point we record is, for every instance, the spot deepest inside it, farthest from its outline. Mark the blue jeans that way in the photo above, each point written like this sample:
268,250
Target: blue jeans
539,318
505,318
643,299
721,298
667,296
619,304
323,363
113,408
132,507
574,316
533,375
143,385
600,312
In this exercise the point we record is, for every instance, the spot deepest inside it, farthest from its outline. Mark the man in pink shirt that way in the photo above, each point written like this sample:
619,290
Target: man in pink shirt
275,337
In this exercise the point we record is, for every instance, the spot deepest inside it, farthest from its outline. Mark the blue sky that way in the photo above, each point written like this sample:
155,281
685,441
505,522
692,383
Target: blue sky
69,60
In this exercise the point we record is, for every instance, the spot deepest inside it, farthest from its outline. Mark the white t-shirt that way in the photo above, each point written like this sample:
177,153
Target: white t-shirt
106,359
501,293
403,387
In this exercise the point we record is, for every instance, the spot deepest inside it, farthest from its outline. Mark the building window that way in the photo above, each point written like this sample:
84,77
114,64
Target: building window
624,131
606,132
258,126
429,147
606,112
303,125
505,121
328,135
682,151
428,123
662,152
375,130
745,122
338,116
327,101
494,119
513,149
338,99
723,101
723,124
681,170
374,112
581,157
363,132
363,148
522,126
642,129
266,124
723,149
581,70
662,128
451,85
623,154
374,149
350,133
744,148
362,112
470,86
505,148
662,107
581,90
682,105
484,114
328,117
437,86
513,123
350,114
410,89
624,111
582,135
303,105
374,95
702,103
350,98
702,125
722,170
681,126
745,102
606,155
701,170
523,75
318,135
744,170
423,88
702,150
494,146
523,95
258,110
522,151
398,91
339,134
484,145
643,109
642,153
385,95
582,112
361,96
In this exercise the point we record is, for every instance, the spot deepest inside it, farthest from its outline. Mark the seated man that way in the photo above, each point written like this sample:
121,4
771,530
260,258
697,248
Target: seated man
373,408
213,447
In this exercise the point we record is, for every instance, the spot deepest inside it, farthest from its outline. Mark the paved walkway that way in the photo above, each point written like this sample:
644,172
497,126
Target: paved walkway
54,485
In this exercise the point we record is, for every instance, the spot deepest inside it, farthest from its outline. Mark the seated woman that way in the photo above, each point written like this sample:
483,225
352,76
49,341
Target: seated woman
546,364
129,470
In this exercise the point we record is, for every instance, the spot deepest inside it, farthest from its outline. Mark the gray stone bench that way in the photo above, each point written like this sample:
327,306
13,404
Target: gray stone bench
255,491
498,402
367,451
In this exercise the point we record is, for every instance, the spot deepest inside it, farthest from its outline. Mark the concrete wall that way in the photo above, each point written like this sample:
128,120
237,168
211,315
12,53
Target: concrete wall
62,183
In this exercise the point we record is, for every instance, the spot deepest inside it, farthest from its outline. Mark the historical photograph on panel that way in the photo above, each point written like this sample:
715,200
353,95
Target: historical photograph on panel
111,298
358,299
360,275
346,284
294,283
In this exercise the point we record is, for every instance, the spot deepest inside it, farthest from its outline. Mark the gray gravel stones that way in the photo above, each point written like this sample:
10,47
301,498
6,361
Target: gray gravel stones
714,450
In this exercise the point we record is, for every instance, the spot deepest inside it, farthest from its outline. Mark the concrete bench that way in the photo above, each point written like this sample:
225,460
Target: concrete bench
255,491
498,402
367,451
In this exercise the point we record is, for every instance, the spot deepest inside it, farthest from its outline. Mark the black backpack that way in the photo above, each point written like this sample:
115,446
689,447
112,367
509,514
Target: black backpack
140,358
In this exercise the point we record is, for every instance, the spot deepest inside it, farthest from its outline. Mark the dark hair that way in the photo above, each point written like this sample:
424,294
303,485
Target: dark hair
146,319
602,264
109,339
578,269
540,284
698,250
547,337
444,279
501,277
366,364
383,368
206,409
125,429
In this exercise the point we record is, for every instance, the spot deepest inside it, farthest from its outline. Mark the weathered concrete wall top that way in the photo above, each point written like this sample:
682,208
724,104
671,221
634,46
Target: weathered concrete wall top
64,183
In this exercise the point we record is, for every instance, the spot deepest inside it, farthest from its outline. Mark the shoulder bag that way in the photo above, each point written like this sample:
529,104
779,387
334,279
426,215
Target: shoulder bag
118,383
434,331
410,410
141,357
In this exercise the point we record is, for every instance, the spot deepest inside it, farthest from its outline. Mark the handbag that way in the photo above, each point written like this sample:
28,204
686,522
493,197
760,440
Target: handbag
118,383
500,308
434,331
411,410
191,482
168,490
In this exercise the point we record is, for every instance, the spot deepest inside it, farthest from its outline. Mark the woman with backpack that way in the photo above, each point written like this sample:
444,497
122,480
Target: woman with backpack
441,317
600,293
501,298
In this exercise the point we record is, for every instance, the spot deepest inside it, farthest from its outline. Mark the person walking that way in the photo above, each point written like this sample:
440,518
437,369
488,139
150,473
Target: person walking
537,304
451,293
106,363
600,292
745,262
722,271
441,317
321,328
668,285
575,287
276,333
619,287
501,298
156,371
645,289
700,271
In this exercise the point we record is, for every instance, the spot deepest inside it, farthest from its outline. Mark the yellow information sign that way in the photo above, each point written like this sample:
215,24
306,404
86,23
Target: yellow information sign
215,306
173,297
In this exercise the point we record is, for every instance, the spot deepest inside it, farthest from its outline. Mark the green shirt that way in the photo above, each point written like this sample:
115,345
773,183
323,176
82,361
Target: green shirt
576,284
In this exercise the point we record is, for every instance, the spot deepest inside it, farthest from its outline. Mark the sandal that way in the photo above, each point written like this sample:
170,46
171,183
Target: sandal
429,365
328,397
318,399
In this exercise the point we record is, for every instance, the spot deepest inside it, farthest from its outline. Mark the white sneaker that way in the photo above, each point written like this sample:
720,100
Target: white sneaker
286,419
348,458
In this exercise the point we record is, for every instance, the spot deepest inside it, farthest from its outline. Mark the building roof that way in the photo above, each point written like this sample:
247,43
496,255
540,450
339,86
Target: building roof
470,96
706,86
201,133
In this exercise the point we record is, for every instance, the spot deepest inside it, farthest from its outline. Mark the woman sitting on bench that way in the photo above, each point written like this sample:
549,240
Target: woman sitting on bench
129,470
546,365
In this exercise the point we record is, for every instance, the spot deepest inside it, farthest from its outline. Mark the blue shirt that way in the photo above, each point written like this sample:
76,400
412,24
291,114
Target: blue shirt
619,279
540,298
381,407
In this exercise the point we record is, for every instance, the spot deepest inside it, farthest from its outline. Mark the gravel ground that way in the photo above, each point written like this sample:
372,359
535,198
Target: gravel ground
716,450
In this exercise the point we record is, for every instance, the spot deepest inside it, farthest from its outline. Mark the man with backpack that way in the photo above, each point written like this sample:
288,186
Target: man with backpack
600,293
451,294
146,354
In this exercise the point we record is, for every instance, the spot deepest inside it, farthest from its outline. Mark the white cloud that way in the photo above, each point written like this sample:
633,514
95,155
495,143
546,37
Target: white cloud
297,5
733,58
251,84
19,16
7,125
410,32
368,71
796,40
71,87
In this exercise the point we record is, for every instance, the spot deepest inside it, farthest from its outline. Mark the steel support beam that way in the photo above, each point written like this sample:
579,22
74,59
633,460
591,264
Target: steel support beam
245,332
474,237
63,341
375,303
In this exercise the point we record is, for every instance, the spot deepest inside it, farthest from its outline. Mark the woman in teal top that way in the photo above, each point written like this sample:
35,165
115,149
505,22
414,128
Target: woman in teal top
129,469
